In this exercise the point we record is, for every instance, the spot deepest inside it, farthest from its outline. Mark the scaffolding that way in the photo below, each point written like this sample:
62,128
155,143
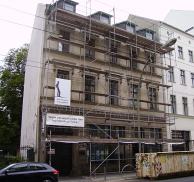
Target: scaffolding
110,67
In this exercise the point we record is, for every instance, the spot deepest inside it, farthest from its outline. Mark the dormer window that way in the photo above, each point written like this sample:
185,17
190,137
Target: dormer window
130,28
101,16
104,19
126,25
149,34
68,7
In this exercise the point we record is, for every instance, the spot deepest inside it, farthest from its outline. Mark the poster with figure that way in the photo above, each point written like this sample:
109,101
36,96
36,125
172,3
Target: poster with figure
62,92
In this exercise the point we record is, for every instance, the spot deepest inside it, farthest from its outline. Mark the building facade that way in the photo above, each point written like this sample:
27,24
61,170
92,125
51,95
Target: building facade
179,75
80,110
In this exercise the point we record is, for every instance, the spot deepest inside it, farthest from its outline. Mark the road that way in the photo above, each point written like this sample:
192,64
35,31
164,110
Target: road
182,179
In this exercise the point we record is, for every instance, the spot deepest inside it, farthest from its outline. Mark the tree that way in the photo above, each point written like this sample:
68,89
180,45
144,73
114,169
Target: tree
11,94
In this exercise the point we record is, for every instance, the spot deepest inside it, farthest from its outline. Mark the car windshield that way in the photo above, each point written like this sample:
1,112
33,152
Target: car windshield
5,168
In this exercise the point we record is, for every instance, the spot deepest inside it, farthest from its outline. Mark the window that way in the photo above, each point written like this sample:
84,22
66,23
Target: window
89,87
133,95
63,74
151,60
60,131
182,75
130,28
149,35
118,131
92,130
173,103
90,53
100,151
191,56
177,134
133,64
133,54
104,19
66,36
68,7
35,167
113,52
155,133
192,79
180,52
171,74
185,106
152,96
18,168
105,131
113,87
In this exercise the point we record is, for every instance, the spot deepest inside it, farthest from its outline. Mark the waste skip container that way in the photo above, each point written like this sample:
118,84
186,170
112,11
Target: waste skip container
160,164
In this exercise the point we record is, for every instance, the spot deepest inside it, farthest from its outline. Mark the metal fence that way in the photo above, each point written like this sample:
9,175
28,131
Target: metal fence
10,154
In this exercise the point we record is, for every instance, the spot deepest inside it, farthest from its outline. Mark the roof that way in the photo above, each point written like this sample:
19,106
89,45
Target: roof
68,1
127,23
146,29
102,13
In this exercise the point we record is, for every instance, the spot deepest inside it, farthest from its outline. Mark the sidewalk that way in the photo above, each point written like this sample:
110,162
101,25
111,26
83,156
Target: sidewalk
99,178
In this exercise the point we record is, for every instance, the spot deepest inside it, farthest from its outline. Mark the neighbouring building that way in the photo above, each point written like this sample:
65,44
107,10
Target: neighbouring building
180,75
184,21
80,108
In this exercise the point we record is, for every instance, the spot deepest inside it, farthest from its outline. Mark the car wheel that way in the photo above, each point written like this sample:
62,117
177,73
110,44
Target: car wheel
47,180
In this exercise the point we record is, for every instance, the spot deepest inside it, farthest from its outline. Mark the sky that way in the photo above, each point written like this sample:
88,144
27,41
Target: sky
17,16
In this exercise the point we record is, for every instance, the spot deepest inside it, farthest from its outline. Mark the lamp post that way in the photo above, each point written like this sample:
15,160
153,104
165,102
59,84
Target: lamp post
167,44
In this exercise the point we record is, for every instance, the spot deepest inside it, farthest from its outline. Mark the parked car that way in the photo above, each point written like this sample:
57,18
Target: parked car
28,172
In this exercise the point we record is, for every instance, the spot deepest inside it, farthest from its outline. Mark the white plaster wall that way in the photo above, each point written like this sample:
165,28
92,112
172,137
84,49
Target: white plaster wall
30,113
182,122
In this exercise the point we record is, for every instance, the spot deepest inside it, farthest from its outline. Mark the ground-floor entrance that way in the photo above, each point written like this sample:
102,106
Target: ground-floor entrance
61,157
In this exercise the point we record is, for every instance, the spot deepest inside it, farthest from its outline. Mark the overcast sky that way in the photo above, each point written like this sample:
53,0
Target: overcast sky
17,16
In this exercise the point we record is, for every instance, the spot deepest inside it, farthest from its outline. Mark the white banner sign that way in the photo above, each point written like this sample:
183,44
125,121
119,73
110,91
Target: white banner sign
62,92
64,120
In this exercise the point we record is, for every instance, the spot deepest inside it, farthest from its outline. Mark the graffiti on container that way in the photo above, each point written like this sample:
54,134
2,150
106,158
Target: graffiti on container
146,162
158,167
184,159
169,157
163,159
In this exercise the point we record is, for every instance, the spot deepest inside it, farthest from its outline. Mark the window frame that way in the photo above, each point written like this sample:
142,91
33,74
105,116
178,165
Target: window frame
69,7
182,77
90,87
90,53
105,19
190,55
149,35
180,52
152,98
113,51
173,104
130,28
114,92
171,74
156,133
133,95
66,36
152,61
185,106
192,79
63,75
